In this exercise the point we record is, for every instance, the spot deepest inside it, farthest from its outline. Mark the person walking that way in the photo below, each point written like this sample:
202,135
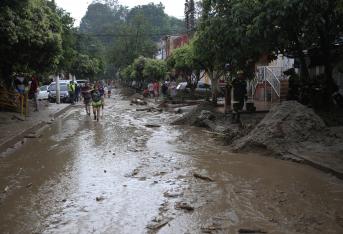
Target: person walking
77,92
96,102
87,97
172,88
34,91
71,91
164,89
101,88
151,89
156,88
109,89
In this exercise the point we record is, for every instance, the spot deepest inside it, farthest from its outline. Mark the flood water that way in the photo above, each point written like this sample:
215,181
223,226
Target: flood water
118,176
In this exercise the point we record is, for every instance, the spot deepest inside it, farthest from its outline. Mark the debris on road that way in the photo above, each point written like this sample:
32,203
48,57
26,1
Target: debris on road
139,101
98,199
33,135
150,109
203,177
171,194
6,189
29,185
183,206
211,228
134,172
152,125
246,230
133,150
158,223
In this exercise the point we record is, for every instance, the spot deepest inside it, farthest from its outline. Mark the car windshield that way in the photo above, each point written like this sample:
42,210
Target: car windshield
63,87
43,88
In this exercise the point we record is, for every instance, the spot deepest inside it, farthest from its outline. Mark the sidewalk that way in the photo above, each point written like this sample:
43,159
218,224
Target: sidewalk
13,127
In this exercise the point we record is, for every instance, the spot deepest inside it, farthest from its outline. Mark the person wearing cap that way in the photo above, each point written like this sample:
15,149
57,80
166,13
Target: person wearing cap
239,95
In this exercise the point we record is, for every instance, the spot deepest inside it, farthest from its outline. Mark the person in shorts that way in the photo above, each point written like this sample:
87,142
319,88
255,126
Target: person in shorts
87,97
109,89
96,102
101,89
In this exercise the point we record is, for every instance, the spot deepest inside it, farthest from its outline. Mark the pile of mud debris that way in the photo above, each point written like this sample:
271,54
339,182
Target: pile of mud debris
289,128
206,115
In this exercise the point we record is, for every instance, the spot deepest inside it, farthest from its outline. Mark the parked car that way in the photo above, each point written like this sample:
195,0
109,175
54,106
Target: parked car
203,87
82,82
181,86
43,92
64,94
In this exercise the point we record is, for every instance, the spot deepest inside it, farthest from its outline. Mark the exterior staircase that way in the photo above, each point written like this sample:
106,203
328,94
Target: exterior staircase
271,82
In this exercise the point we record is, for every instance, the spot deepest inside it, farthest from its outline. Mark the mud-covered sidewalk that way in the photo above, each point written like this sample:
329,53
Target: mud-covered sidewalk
290,131
14,127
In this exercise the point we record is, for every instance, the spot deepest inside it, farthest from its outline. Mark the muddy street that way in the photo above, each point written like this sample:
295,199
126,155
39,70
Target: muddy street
134,173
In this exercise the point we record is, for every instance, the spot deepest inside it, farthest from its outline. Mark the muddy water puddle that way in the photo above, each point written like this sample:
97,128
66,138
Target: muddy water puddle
118,176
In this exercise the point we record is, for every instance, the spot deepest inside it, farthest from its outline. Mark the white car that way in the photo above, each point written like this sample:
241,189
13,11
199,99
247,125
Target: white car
82,82
43,92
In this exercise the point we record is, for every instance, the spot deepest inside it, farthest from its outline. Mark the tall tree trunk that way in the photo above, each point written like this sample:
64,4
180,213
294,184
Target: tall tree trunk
6,72
304,69
214,86
325,46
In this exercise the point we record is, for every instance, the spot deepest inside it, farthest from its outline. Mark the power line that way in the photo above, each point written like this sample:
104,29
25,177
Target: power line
170,33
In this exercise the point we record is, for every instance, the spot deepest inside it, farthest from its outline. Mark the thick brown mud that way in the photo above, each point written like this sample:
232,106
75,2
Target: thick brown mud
119,176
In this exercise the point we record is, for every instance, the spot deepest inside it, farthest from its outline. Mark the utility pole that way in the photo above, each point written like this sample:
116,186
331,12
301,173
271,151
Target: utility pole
190,16
187,15
58,91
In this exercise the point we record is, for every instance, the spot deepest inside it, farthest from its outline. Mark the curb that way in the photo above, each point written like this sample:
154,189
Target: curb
15,139
321,167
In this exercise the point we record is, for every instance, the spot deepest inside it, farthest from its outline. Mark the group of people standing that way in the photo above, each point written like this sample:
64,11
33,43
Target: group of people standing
30,88
154,89
94,95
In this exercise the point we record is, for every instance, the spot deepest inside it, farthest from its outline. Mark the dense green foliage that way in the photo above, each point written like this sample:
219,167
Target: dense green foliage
122,35
183,62
39,38
30,37
144,70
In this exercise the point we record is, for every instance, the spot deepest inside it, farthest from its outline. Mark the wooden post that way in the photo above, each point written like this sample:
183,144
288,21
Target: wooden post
26,104
22,104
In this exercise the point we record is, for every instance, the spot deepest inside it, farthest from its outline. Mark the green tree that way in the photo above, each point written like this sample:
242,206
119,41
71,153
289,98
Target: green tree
85,67
183,62
154,70
133,42
30,37
208,56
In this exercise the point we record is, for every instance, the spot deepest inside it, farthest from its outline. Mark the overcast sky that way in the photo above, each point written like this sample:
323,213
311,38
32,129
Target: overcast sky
78,8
